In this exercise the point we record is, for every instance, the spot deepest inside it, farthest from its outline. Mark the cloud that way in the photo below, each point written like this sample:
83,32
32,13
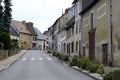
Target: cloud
42,13
40,24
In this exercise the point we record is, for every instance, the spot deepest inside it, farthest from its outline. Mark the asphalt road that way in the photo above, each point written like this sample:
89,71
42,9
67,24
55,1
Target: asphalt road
37,65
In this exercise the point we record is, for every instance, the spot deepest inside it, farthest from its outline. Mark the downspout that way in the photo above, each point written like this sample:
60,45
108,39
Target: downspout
111,36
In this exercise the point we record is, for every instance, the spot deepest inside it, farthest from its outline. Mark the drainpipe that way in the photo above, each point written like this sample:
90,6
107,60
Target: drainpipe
111,36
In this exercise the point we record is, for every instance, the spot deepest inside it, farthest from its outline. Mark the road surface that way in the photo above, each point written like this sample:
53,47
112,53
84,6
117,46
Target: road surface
38,65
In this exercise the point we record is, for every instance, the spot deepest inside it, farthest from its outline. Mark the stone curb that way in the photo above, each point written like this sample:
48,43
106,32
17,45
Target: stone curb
86,73
13,61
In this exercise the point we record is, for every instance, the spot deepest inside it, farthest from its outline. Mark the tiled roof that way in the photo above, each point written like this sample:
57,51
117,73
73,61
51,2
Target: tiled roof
13,30
40,35
21,27
30,28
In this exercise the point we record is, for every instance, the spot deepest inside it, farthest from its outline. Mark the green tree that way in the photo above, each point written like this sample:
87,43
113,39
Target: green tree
7,15
5,39
1,16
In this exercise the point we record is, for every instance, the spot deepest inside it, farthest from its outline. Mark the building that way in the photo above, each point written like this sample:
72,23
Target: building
101,38
42,41
30,27
25,35
14,33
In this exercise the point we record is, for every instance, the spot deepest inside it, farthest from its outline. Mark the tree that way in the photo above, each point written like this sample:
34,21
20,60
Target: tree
7,15
1,16
5,39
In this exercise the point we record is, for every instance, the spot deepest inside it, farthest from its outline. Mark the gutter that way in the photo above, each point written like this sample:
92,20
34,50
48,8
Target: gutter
111,36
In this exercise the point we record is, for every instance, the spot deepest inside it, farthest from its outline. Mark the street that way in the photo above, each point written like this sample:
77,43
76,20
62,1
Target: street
37,65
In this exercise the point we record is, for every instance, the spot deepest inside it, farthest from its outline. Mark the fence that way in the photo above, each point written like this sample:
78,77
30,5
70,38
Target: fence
7,53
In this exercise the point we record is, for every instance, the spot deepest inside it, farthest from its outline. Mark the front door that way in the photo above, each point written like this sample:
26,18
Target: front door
92,44
105,54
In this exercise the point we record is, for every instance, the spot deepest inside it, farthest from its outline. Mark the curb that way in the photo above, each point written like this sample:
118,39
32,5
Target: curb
13,62
75,68
85,73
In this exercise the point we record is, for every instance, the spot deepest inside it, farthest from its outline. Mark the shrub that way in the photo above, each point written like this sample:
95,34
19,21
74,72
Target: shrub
66,58
93,67
74,62
116,74
107,76
5,39
49,51
79,63
85,63
54,53
100,69
57,54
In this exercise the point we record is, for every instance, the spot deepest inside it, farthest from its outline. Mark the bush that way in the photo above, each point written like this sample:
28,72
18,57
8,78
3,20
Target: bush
54,53
49,51
107,76
66,58
5,39
57,54
74,62
116,74
79,63
100,69
93,68
85,63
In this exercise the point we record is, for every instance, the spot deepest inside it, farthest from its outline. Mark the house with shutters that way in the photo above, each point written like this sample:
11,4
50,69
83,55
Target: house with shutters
100,29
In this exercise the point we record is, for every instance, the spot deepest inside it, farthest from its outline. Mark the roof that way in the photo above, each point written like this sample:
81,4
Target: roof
74,1
40,35
87,4
13,30
30,28
21,27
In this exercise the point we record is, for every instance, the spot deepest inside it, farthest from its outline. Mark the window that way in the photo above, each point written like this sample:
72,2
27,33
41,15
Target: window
72,47
76,45
91,20
76,27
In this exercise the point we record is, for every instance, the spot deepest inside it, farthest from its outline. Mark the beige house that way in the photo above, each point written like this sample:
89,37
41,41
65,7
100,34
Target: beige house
101,27
25,35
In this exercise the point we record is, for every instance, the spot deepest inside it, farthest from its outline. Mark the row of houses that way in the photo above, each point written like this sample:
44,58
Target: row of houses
27,36
90,28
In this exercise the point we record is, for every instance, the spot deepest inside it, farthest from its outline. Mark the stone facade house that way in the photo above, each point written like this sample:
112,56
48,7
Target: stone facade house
14,33
100,23
30,27
25,35
42,41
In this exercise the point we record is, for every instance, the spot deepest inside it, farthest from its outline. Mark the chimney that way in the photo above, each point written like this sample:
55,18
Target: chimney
24,22
66,10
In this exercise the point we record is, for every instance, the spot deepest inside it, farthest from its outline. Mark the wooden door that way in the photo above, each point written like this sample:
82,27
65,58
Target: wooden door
92,44
105,54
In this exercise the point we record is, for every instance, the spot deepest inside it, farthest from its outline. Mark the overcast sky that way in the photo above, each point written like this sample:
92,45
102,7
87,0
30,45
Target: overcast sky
42,13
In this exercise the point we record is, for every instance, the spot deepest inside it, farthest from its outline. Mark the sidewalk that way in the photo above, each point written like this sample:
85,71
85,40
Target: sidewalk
7,62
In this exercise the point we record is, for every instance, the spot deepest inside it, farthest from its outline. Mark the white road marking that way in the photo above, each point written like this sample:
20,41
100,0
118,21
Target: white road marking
40,58
32,59
49,59
24,59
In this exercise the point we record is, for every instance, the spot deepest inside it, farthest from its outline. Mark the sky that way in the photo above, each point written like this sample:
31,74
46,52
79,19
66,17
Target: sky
42,13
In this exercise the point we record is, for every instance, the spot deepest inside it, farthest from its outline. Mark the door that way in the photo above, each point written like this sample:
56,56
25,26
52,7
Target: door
92,44
83,51
105,54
